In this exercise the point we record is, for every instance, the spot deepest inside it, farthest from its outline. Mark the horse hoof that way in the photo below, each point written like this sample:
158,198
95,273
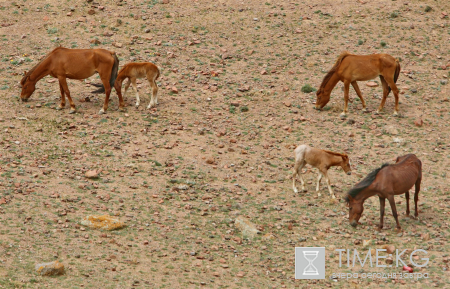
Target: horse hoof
101,112
295,190
395,114
319,194
59,108
333,197
377,112
364,110
72,111
121,109
304,190
342,115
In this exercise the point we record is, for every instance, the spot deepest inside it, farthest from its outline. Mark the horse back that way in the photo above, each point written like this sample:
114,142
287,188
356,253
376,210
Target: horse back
401,176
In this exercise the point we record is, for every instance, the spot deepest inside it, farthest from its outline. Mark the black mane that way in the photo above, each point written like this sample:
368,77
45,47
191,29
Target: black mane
367,181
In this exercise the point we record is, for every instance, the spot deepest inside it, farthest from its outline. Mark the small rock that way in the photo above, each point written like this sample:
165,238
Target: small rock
91,174
389,248
91,12
389,260
444,82
418,122
426,236
69,14
174,89
268,236
50,269
117,44
147,30
413,90
287,103
104,222
372,84
263,72
234,103
247,228
366,243
165,1
210,161
390,129
101,7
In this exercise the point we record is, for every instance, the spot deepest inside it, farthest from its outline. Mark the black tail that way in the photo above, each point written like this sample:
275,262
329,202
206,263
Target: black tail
397,72
114,71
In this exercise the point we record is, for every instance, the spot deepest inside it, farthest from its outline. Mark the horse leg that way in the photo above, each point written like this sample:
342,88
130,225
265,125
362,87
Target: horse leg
105,81
416,196
63,83
133,83
319,178
395,90
382,204
325,173
118,87
358,92
385,94
346,89
154,99
63,98
407,203
394,211
127,85
294,175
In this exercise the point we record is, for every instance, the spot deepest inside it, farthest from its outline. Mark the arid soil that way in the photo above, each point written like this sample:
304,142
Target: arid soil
220,143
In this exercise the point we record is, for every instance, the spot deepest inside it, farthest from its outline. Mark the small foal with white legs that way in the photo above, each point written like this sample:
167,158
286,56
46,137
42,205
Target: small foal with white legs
132,71
320,159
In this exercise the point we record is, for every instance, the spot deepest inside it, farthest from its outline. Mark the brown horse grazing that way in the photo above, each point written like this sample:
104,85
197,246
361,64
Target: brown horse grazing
320,159
132,71
386,182
350,68
63,63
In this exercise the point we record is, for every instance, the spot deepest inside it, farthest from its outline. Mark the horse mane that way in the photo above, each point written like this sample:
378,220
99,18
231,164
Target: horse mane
333,69
22,81
336,154
367,181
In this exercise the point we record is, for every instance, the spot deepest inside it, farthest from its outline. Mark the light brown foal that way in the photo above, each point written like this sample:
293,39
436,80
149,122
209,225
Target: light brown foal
320,159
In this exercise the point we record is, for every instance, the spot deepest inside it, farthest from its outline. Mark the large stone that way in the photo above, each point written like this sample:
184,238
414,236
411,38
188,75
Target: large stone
50,269
104,222
247,228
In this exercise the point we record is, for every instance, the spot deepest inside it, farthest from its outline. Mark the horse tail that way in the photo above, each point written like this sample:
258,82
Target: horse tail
396,73
113,77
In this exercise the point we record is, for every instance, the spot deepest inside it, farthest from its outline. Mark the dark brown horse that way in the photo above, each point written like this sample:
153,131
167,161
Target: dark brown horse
63,63
350,68
386,182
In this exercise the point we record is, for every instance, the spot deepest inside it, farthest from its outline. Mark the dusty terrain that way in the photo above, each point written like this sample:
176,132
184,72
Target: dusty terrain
220,143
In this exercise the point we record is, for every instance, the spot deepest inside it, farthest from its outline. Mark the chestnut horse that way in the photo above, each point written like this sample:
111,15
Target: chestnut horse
386,182
132,71
320,159
63,63
350,68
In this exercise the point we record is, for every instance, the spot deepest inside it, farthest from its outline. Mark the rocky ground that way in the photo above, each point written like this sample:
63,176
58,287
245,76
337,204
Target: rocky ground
219,146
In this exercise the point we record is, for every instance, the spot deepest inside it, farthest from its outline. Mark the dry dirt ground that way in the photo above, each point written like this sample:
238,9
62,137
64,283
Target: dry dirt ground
220,143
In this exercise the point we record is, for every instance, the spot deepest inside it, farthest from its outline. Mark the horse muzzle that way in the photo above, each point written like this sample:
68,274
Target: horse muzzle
354,224
349,173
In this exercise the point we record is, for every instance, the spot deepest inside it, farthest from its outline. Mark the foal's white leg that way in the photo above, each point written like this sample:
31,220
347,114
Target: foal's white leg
318,183
154,98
